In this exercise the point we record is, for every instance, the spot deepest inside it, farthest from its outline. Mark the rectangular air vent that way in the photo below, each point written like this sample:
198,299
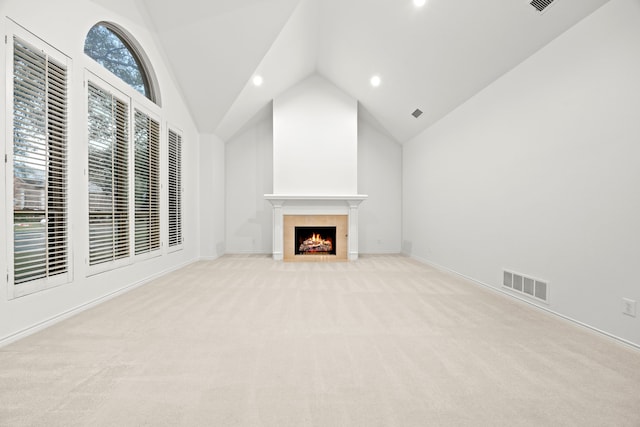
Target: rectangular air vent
541,5
417,113
529,286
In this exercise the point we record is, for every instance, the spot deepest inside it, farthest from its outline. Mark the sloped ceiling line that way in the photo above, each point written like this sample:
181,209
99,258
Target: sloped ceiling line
433,58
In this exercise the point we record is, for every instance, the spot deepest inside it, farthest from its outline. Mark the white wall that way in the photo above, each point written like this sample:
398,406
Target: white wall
72,22
249,176
249,172
211,194
315,140
539,173
379,177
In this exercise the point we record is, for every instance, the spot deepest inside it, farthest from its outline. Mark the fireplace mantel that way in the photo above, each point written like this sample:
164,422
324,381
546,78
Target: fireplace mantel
300,204
296,197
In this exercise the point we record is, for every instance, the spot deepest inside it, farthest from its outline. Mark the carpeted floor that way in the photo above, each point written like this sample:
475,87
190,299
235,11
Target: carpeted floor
383,341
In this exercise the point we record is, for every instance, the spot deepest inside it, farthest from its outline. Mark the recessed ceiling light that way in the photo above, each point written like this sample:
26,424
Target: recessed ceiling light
375,81
257,80
419,3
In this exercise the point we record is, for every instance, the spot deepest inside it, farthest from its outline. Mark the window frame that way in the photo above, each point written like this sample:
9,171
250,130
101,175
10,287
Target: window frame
122,261
105,79
108,81
16,290
180,189
139,55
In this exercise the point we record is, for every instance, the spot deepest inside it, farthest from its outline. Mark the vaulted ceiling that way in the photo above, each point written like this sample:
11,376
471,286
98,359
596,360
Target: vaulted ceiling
433,58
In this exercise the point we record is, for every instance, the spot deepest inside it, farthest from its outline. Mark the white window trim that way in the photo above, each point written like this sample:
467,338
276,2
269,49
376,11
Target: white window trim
94,69
131,97
30,287
115,264
137,51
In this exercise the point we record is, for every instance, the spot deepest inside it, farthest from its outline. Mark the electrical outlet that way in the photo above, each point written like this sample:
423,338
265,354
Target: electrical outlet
629,307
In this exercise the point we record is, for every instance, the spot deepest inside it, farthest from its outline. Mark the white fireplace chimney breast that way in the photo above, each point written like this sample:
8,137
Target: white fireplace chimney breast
315,140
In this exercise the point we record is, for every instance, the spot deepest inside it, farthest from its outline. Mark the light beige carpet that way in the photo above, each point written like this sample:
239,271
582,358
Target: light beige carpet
384,341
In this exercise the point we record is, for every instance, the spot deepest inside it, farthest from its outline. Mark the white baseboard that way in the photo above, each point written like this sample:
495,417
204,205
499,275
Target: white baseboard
76,310
382,253
248,252
631,344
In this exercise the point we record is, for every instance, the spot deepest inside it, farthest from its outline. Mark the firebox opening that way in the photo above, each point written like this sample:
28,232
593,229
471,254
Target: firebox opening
315,240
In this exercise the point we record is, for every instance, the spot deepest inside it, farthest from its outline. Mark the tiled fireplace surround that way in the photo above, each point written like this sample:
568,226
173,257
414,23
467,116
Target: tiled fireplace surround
297,210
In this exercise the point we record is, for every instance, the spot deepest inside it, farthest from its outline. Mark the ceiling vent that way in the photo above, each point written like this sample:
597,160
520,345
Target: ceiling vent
541,5
417,113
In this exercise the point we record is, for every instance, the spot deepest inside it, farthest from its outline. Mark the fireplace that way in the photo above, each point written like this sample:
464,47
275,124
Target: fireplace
315,168
315,241
315,238
334,218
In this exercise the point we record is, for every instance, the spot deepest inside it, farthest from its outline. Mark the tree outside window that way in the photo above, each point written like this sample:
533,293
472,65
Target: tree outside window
106,47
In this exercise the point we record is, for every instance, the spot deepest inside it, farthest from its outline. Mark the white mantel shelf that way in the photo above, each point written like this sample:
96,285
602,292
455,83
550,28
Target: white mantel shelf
314,204
284,197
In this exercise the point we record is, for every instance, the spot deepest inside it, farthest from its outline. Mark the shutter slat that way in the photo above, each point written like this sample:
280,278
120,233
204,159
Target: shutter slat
108,176
175,197
147,182
39,164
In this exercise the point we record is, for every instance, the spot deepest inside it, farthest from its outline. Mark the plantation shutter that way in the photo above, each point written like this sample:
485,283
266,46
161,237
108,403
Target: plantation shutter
147,183
175,188
108,171
40,240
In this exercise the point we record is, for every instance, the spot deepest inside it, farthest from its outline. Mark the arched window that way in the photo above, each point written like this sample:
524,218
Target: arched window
115,50
123,152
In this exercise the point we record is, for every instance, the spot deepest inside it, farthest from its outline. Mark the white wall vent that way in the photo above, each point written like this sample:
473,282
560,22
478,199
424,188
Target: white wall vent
529,286
541,5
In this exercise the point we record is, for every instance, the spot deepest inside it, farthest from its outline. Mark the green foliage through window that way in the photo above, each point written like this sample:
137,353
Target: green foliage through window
111,51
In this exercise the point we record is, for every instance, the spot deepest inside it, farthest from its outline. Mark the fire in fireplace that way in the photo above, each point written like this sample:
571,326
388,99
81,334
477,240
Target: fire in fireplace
315,240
